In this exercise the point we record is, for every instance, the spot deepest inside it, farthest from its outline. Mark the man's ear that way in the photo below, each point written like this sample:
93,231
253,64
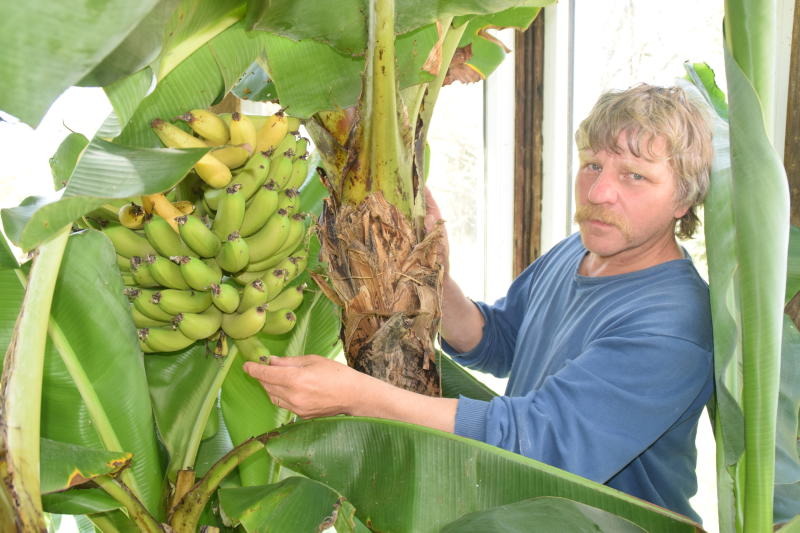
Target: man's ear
680,211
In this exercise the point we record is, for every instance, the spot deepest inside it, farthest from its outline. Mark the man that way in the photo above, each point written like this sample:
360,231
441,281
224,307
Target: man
606,338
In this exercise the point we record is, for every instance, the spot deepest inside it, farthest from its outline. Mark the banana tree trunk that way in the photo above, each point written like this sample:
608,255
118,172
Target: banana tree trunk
388,283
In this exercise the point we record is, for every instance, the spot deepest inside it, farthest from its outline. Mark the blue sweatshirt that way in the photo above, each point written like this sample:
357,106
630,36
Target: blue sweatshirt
607,375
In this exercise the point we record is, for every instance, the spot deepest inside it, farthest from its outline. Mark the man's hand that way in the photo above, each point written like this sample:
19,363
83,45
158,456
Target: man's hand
312,386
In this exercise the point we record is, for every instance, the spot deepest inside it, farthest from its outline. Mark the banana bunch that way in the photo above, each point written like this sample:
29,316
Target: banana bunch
226,274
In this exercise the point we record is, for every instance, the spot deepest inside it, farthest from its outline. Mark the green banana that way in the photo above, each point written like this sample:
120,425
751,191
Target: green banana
266,241
293,125
208,125
252,349
298,175
212,262
302,148
127,279
285,148
259,208
243,325
279,322
164,238
146,301
127,242
197,236
294,265
140,271
225,297
140,320
199,325
280,170
274,281
230,212
123,263
289,199
290,298
221,345
252,295
164,339
243,278
211,197
165,272
253,175
198,275
174,301
234,254
297,230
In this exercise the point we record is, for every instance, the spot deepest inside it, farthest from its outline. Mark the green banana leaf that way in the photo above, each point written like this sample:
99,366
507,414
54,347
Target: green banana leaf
63,162
50,45
456,381
140,47
11,294
83,402
294,504
136,171
787,447
184,387
201,79
549,514
248,412
793,265
213,448
402,477
78,501
125,96
194,23
67,465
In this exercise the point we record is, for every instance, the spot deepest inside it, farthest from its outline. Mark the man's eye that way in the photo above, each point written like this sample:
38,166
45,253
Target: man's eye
637,177
594,167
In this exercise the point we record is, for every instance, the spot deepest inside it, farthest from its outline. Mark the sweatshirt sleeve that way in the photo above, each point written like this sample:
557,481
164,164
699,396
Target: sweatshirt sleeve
494,353
601,410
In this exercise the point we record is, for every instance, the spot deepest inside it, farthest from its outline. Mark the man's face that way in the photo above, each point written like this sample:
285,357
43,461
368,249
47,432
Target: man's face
625,204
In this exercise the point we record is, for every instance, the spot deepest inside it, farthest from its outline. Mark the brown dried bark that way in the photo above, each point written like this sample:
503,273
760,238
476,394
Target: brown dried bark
388,283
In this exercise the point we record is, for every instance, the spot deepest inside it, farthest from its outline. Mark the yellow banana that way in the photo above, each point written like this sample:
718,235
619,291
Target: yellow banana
230,212
290,298
260,207
279,322
225,297
184,206
131,216
210,169
174,301
164,208
252,295
163,238
231,155
243,131
146,301
208,125
280,170
165,272
234,254
270,237
221,345
271,132
127,242
252,349
197,274
164,339
243,325
140,271
298,175
197,236
199,325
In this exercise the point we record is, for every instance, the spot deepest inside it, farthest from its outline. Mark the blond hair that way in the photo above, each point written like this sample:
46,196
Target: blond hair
643,113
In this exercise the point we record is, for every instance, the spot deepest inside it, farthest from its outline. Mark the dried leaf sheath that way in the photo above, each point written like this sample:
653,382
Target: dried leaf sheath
388,284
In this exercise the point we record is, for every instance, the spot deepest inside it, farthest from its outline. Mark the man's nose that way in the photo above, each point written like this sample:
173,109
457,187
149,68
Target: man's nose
603,190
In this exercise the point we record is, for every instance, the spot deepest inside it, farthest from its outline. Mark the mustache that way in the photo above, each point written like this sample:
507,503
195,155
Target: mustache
594,212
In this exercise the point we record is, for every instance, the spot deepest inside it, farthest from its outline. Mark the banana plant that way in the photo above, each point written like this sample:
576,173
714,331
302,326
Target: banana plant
201,434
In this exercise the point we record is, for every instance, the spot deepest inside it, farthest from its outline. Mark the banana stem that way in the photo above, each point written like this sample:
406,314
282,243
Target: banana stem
163,208
136,511
187,512
21,385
